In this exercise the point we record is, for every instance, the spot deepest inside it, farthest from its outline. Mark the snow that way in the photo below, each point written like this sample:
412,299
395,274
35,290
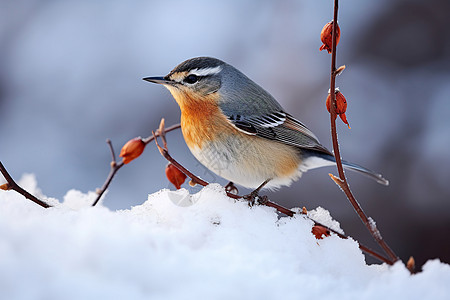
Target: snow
178,245
373,226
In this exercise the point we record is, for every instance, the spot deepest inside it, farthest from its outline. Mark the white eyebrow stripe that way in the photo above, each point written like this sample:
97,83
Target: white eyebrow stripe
206,71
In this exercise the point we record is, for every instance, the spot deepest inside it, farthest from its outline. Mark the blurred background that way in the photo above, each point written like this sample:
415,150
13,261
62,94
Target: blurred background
71,77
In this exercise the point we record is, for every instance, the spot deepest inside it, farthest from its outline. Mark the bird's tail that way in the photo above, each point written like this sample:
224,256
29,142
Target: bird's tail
328,160
376,176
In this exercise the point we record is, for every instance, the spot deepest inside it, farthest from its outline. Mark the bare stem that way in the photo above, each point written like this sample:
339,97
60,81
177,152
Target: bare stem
15,187
115,166
168,129
111,148
165,153
342,180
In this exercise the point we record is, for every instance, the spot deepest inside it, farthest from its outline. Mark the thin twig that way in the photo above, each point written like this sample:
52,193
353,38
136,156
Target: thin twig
262,200
115,166
14,186
168,129
111,148
165,153
342,181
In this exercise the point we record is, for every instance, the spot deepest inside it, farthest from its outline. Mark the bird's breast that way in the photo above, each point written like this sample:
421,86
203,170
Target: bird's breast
244,159
202,123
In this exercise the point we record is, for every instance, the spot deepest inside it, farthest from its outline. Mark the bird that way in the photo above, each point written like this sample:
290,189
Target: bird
239,131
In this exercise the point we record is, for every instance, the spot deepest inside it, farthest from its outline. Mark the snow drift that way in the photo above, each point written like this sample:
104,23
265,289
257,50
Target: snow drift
181,246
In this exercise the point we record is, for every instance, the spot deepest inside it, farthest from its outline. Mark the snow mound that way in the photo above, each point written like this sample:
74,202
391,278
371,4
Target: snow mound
182,246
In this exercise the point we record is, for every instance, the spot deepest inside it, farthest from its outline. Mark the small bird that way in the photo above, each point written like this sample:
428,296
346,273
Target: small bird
239,131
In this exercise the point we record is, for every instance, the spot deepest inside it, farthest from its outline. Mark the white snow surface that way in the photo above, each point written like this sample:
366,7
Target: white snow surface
181,246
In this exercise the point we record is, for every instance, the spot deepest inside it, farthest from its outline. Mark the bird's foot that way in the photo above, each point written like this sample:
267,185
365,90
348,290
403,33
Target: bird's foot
255,199
254,196
231,188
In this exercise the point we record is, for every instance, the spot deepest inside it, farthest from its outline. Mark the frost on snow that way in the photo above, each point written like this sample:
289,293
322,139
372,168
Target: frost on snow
182,246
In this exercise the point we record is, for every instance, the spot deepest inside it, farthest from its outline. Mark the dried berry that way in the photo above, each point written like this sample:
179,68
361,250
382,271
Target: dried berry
132,149
340,107
327,38
411,265
175,176
5,187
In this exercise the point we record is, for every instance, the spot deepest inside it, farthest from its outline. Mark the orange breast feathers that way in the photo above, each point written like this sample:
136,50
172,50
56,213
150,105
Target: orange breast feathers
201,119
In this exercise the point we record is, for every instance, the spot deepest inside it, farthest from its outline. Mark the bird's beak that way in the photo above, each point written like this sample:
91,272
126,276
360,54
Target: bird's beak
159,80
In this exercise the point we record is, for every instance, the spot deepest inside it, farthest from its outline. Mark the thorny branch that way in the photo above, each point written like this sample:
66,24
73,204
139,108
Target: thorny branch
263,200
342,180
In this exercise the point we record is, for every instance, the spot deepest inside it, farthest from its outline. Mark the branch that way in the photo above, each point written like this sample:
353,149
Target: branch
342,180
12,185
115,166
262,200
165,153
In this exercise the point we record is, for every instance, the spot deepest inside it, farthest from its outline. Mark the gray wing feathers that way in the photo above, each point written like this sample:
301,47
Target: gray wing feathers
254,111
278,126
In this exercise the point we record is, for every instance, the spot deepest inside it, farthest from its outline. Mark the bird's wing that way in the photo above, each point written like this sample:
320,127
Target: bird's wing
279,126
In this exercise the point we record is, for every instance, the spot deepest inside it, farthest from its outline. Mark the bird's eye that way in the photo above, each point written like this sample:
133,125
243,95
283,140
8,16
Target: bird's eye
191,79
